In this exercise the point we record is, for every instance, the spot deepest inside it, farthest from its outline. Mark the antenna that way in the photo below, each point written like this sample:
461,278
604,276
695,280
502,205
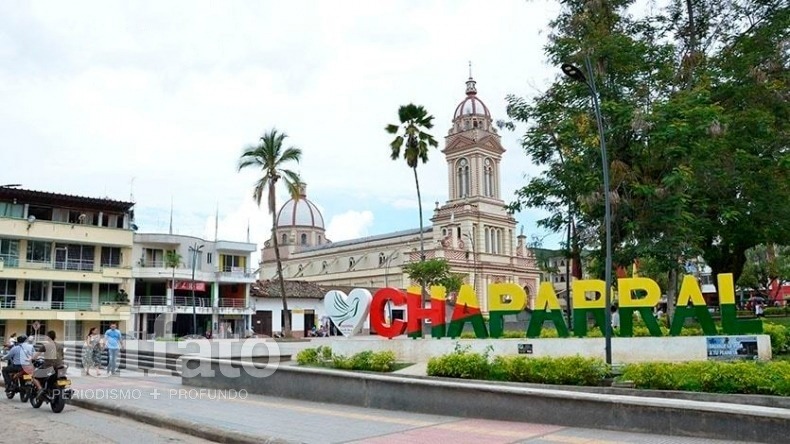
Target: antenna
131,190
216,224
470,69
171,215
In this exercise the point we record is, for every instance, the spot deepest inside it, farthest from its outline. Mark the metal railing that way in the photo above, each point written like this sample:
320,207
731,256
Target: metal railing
151,300
75,264
186,301
231,303
9,260
152,264
12,303
235,271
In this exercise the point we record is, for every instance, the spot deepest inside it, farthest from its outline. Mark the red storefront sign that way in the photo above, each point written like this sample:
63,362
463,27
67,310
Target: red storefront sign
187,285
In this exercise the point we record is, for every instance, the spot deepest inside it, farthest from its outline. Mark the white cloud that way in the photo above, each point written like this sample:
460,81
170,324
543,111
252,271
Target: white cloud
349,225
165,94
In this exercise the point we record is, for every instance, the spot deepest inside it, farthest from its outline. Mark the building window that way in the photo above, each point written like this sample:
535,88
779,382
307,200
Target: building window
74,257
462,173
40,252
382,259
319,239
444,232
324,266
108,293
209,257
9,252
7,293
110,257
8,209
488,178
284,238
304,239
351,263
231,263
32,331
35,291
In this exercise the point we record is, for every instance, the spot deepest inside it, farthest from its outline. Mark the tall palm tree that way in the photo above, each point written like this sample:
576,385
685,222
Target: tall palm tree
271,157
415,142
173,260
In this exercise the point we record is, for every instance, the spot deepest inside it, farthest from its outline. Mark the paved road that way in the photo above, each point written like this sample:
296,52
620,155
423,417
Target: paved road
309,422
23,424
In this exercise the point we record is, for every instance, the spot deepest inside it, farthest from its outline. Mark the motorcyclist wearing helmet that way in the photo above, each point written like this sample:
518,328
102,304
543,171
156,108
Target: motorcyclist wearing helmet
18,358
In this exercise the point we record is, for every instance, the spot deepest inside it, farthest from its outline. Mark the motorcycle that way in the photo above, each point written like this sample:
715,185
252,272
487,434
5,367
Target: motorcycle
21,382
55,387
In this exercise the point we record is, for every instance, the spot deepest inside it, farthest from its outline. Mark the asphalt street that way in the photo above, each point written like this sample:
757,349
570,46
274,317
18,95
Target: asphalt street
22,424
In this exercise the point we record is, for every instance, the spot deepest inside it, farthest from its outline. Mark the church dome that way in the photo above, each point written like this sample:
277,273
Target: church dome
471,105
300,213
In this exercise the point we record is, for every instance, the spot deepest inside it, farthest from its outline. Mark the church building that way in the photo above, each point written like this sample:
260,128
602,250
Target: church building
472,230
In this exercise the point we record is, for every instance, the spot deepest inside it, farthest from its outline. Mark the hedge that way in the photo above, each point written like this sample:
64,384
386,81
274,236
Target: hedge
365,361
746,377
571,370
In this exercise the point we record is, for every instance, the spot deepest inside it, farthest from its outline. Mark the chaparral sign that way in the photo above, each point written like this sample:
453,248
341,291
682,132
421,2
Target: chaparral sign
636,295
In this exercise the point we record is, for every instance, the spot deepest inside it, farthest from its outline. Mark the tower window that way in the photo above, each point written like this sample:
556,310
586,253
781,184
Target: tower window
284,238
462,172
488,178
304,239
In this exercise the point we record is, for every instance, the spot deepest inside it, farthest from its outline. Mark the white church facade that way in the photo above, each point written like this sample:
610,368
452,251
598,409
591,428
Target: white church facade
472,230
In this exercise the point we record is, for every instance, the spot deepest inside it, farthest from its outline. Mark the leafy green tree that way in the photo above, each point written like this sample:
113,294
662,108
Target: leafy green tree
765,265
414,142
434,272
271,157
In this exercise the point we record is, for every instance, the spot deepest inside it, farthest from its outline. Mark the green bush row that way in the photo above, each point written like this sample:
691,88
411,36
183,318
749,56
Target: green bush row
746,377
367,360
570,370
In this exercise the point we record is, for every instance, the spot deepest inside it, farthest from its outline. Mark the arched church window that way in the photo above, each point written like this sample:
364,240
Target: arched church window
324,266
382,259
488,178
284,238
475,124
444,232
462,173
351,263
488,239
319,239
304,239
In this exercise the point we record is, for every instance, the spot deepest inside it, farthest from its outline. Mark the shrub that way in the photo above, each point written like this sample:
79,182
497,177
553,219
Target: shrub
747,377
461,364
569,370
468,335
776,311
780,337
366,360
308,356
382,362
513,334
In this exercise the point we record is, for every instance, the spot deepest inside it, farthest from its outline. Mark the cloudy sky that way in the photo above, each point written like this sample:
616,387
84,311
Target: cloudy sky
154,101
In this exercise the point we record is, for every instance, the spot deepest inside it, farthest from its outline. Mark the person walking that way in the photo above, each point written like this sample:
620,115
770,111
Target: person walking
114,343
91,352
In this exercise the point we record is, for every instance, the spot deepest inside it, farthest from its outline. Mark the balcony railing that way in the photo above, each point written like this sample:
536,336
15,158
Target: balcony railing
9,260
187,301
75,265
151,300
231,303
236,272
152,264
9,303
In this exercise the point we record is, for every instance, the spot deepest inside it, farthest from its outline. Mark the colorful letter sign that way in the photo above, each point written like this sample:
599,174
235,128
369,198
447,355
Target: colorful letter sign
636,296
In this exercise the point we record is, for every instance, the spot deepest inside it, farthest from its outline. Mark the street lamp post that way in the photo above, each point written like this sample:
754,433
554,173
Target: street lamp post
577,75
195,249
474,259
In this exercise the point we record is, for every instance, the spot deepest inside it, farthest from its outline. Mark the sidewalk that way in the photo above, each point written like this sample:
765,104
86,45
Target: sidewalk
229,416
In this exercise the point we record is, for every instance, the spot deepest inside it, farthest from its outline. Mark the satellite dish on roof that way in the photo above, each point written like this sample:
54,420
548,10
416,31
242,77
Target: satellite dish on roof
31,219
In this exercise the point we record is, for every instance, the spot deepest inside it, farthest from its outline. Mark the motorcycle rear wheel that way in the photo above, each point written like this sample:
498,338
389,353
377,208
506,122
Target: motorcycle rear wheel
35,401
10,394
58,403
24,395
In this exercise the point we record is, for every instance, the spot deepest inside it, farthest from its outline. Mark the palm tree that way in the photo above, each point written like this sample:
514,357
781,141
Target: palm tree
415,143
173,260
270,156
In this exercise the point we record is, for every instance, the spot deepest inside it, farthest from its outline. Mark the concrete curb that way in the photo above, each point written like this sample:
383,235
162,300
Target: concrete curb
215,434
638,414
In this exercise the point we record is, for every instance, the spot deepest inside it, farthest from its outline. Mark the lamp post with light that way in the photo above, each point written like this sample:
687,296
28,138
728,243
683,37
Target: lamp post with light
194,249
576,74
